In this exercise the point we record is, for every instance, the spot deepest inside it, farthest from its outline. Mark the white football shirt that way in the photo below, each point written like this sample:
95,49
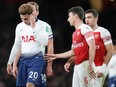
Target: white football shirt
31,40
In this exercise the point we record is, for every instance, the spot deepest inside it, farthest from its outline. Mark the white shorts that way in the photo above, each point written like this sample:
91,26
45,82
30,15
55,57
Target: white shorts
99,82
81,76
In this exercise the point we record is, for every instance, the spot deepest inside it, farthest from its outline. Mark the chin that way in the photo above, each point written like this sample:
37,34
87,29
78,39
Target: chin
71,25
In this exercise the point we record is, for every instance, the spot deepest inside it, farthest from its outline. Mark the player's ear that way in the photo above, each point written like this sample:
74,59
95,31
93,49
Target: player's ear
37,12
96,19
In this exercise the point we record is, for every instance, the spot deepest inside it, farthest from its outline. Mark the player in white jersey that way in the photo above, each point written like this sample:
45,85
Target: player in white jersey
49,45
112,68
103,47
32,38
83,47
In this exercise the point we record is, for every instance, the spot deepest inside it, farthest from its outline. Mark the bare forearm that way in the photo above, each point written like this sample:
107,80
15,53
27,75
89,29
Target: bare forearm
91,55
50,50
71,60
108,57
92,50
65,54
16,61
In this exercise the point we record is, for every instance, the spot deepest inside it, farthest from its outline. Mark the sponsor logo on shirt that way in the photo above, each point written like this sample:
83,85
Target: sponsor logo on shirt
28,38
78,45
96,35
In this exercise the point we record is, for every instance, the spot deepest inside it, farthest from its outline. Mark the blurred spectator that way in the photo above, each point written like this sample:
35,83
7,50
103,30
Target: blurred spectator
2,84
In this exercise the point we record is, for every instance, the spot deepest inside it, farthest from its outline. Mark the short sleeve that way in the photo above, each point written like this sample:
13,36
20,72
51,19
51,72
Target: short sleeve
106,36
49,31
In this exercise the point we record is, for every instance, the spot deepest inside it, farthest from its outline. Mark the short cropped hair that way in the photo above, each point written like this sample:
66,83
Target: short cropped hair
35,4
77,10
93,11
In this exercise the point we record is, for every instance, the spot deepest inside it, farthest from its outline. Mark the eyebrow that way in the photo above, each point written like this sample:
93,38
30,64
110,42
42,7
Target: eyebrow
88,17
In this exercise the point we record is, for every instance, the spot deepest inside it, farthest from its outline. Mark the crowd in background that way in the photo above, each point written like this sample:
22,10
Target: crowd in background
53,12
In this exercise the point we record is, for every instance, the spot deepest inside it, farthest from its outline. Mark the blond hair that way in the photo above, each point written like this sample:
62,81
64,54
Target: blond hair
35,4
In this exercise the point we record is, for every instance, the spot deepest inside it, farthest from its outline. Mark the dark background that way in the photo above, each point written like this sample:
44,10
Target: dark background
53,12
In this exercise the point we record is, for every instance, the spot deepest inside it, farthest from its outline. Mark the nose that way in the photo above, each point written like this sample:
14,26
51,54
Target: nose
86,20
68,19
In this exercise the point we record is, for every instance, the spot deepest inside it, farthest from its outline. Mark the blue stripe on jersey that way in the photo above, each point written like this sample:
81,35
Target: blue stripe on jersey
50,36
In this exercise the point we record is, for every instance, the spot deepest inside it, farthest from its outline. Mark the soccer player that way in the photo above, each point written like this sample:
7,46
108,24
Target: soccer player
83,47
103,47
31,39
112,68
50,48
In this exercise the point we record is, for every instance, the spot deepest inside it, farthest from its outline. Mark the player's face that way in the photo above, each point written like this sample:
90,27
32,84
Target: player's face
25,18
35,12
71,18
89,19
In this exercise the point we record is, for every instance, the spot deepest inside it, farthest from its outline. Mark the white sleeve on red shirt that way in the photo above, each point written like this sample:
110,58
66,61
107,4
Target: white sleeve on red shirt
106,36
87,32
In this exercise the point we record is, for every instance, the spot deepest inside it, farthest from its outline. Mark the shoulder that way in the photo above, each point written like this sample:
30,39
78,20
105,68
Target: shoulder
44,26
20,25
103,30
86,27
105,35
42,22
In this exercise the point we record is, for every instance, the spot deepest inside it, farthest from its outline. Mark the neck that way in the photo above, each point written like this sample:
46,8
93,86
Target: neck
78,24
94,27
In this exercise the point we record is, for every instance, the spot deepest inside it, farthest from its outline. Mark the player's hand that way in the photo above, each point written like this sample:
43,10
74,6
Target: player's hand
102,71
91,72
50,57
99,75
32,21
9,69
49,71
15,71
67,66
